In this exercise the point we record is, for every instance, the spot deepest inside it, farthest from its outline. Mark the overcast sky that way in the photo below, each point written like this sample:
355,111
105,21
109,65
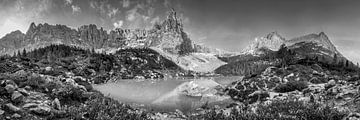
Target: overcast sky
225,24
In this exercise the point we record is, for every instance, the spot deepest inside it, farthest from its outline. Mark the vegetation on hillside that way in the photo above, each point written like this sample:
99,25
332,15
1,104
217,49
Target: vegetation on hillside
98,67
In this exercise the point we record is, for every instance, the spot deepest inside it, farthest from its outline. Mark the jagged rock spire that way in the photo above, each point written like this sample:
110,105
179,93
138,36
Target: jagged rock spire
31,29
172,23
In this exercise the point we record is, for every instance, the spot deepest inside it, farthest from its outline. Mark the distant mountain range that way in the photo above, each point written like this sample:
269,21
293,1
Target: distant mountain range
273,41
168,35
168,38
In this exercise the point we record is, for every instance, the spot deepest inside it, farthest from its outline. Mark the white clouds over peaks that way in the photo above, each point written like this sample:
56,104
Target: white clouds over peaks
118,24
68,2
112,12
126,3
75,9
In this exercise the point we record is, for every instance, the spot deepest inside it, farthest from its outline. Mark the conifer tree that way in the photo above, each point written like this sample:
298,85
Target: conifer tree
24,53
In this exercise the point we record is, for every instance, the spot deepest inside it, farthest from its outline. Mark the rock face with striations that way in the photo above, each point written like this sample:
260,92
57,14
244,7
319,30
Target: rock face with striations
273,42
168,35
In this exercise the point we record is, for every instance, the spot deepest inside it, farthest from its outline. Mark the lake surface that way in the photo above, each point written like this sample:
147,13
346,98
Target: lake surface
166,94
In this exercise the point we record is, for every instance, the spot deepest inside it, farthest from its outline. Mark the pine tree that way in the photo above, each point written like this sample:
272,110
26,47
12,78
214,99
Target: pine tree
24,53
18,54
335,60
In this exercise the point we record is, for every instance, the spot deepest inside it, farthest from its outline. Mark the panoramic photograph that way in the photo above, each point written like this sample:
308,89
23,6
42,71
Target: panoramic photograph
179,60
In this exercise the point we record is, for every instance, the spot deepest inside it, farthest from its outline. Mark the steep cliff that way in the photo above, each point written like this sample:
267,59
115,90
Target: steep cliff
167,35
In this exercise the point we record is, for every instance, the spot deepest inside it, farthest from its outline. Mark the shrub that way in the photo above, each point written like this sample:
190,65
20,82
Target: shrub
291,86
99,107
289,109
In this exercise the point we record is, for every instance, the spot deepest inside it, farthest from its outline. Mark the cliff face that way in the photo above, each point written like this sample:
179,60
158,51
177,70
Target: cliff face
273,41
168,35
320,39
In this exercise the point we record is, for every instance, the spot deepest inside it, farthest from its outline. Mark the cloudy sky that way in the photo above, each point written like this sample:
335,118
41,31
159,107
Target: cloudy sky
225,24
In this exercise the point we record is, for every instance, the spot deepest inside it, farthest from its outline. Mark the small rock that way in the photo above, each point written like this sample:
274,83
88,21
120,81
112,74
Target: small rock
16,115
330,84
10,88
23,91
56,104
353,116
41,110
48,68
17,96
2,112
139,77
12,107
20,73
27,87
30,105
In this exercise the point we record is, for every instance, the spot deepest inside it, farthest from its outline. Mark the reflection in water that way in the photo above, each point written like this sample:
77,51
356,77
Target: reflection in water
160,95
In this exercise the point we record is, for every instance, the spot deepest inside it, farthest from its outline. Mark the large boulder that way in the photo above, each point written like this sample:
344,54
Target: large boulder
17,97
41,110
10,88
56,104
12,107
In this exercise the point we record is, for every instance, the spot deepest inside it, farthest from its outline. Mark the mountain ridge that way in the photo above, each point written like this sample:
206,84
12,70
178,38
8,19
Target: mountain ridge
169,35
273,41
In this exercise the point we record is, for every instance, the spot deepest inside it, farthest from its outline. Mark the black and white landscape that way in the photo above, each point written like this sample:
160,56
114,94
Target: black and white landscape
179,59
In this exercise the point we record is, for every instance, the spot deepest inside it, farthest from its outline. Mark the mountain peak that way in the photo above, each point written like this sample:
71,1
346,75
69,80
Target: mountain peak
172,23
271,41
31,29
323,35
274,36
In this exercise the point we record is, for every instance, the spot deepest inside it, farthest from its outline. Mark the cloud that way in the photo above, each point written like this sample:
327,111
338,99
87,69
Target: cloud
126,3
118,24
133,13
18,14
167,3
155,20
112,12
75,9
68,2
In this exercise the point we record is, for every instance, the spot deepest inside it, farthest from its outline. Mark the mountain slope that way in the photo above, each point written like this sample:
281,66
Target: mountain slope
167,38
264,52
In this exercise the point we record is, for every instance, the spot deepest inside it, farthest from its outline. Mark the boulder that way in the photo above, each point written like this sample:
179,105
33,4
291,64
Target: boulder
16,116
353,116
12,107
2,112
17,97
330,84
23,91
47,69
10,88
41,110
30,105
56,104
20,73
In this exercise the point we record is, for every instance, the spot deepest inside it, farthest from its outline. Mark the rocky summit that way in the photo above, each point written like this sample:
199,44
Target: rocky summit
168,35
273,41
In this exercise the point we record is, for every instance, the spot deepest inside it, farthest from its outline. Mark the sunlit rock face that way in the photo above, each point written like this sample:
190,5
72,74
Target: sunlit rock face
168,35
272,41
320,39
